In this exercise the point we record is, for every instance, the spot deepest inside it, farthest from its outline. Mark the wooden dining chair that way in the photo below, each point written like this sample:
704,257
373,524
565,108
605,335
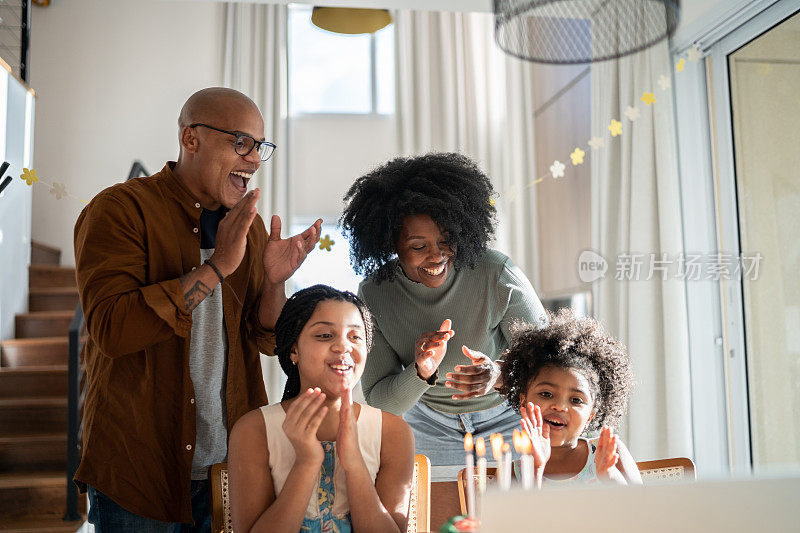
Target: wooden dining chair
220,500
491,473
419,513
660,470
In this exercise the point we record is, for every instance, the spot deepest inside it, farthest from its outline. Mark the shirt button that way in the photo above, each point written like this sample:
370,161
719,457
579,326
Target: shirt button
188,446
191,401
197,205
194,268
195,230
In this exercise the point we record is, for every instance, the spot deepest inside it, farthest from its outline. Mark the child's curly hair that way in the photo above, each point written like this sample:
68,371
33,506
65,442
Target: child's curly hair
569,341
449,187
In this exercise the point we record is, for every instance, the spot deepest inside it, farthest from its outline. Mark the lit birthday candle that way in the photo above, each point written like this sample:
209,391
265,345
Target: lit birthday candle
506,466
480,449
496,439
470,475
522,443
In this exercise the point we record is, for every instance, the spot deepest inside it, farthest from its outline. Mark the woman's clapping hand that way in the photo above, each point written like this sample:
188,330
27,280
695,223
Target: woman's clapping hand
476,379
430,349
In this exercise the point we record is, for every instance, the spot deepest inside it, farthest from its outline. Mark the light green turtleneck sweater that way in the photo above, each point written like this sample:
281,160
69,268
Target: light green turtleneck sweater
482,303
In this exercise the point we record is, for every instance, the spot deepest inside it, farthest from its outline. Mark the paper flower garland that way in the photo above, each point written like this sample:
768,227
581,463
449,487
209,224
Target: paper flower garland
632,113
59,190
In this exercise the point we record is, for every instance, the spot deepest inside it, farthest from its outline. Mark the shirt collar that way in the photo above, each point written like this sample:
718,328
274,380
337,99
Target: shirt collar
180,192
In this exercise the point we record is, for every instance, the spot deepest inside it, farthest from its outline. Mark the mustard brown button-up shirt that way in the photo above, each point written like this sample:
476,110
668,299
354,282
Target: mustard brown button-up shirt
132,244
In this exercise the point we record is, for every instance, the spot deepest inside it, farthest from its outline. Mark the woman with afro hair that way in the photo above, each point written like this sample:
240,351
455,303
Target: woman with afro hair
419,229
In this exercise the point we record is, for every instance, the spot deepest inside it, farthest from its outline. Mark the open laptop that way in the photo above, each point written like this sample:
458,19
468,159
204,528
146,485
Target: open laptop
748,505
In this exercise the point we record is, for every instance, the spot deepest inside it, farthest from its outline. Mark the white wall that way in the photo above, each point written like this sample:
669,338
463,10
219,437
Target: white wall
110,79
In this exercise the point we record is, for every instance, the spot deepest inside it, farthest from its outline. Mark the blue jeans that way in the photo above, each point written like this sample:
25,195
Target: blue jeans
109,517
440,436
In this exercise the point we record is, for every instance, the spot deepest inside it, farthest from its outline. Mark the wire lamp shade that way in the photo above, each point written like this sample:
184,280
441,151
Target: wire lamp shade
581,31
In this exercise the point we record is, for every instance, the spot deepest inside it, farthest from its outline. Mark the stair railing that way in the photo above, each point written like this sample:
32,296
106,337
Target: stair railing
76,392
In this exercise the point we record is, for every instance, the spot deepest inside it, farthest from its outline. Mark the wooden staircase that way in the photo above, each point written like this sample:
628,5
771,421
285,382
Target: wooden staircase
33,403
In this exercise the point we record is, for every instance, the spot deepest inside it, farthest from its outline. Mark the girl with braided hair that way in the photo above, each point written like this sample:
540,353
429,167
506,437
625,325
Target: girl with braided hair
316,461
419,229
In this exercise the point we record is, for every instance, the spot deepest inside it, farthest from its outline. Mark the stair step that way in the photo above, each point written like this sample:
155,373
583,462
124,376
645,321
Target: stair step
19,416
33,452
34,352
42,324
41,276
42,254
39,525
41,494
53,299
33,381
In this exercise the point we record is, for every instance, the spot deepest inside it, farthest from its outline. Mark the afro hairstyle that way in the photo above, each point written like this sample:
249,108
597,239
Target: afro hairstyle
570,342
448,187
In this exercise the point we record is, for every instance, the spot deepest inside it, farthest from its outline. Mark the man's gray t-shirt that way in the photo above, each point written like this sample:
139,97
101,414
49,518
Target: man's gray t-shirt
208,354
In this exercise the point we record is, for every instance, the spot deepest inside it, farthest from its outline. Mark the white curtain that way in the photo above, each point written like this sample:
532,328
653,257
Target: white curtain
255,63
456,91
636,210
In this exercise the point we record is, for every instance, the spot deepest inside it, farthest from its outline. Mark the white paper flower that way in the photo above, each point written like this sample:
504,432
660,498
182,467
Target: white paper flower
59,190
557,169
693,54
664,82
597,142
632,113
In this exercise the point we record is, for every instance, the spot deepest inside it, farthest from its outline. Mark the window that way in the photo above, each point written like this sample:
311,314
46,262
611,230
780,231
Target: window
333,73
323,266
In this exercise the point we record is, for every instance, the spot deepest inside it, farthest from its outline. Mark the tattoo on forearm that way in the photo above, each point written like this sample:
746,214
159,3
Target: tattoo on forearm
195,295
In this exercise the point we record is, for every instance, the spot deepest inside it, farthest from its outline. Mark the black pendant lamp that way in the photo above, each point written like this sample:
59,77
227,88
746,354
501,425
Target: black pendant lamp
581,31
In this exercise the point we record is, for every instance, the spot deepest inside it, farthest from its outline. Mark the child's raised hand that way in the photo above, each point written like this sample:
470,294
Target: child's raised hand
303,418
347,447
606,458
539,433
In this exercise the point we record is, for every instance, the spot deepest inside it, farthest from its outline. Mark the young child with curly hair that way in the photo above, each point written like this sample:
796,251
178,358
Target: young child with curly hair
569,380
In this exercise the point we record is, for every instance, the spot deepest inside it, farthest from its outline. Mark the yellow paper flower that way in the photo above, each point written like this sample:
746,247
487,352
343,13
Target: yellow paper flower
492,202
649,98
29,175
615,127
577,156
325,243
680,65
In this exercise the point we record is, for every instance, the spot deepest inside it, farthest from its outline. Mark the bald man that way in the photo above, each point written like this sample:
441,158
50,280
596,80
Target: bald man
181,286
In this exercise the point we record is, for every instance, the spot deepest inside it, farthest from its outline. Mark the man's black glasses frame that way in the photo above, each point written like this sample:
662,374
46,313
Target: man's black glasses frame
244,143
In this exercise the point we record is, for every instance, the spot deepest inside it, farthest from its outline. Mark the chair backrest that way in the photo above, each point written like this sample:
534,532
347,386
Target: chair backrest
660,470
220,500
419,514
491,472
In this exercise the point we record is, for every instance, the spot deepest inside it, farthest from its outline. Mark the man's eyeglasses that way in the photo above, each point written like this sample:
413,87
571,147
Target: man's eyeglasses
244,143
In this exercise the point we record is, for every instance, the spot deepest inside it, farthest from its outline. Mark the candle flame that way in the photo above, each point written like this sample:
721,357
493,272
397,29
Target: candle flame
497,445
506,448
522,443
480,447
468,442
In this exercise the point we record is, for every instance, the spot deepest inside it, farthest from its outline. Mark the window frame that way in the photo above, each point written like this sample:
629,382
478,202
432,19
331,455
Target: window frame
720,402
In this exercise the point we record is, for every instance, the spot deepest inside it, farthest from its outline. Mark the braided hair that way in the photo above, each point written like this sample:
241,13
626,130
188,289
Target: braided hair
294,315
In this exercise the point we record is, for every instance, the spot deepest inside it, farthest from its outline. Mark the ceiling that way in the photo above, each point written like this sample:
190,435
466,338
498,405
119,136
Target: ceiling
421,5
